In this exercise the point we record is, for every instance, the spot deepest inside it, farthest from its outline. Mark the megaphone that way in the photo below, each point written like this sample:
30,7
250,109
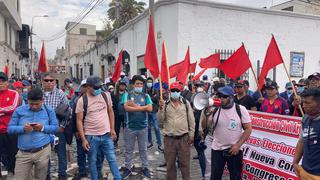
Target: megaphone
201,100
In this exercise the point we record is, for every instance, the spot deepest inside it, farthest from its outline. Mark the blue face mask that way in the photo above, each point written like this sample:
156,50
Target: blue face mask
300,89
289,92
149,85
97,92
138,89
175,95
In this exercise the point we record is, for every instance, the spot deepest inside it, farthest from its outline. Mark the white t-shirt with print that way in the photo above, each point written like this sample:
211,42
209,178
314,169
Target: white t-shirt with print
229,127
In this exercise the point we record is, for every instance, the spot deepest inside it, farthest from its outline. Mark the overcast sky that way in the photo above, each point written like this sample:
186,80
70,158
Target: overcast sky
62,11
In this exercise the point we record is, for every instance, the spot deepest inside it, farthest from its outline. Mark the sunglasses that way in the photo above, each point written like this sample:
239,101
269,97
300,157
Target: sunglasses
270,88
96,87
289,89
175,90
48,80
239,86
219,95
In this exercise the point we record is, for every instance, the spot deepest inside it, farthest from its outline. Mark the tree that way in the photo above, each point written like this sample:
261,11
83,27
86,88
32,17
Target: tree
107,28
128,9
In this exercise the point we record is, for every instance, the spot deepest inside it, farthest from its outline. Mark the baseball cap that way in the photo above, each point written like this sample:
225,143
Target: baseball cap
271,84
226,90
314,75
288,85
83,82
26,83
18,84
240,83
215,79
3,76
175,85
94,81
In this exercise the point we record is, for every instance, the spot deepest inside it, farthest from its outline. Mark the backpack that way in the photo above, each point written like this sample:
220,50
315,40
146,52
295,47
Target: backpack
187,109
85,103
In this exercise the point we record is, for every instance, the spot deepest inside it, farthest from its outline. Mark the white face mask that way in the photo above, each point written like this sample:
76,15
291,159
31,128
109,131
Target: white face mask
200,89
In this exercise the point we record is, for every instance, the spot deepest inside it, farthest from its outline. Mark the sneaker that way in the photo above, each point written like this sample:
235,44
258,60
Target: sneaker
150,146
127,173
146,172
196,157
160,149
10,176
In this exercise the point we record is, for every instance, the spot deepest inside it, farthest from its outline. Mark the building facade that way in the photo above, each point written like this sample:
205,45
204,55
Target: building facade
299,6
10,25
208,27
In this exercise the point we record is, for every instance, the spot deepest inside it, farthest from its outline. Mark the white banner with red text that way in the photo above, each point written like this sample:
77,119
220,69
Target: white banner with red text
269,151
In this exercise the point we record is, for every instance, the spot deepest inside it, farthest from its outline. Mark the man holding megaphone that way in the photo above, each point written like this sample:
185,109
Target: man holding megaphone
230,126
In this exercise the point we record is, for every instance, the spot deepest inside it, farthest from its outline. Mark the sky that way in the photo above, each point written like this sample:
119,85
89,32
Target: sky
62,11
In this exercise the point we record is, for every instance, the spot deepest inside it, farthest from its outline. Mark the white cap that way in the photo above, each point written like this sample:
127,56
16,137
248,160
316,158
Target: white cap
215,79
83,82
144,77
107,80
122,74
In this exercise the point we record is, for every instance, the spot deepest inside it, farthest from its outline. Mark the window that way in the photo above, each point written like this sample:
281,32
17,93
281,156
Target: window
10,35
83,31
288,9
5,31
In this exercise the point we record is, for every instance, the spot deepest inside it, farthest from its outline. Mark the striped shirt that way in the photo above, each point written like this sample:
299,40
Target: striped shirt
9,101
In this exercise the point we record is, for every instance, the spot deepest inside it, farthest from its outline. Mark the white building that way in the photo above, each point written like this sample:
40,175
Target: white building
207,27
10,24
300,6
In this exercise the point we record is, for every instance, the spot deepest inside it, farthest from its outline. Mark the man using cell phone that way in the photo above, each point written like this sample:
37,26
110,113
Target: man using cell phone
33,123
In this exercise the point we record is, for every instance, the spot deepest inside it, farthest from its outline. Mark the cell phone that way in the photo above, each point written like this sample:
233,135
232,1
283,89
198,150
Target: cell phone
33,124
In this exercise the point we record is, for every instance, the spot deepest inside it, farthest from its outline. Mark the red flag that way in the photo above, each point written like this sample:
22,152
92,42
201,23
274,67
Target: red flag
192,67
236,64
184,69
151,58
42,67
174,69
6,70
272,59
197,77
117,68
164,67
213,61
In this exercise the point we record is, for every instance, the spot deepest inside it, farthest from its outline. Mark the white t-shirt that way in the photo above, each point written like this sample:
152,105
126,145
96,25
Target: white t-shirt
229,127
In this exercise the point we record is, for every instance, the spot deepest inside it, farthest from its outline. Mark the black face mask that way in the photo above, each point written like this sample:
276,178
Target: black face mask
122,76
229,105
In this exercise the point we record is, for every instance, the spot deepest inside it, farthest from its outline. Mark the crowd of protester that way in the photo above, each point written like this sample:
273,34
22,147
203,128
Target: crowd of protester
37,117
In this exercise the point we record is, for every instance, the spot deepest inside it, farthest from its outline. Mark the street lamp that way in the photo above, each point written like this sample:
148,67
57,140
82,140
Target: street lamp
31,59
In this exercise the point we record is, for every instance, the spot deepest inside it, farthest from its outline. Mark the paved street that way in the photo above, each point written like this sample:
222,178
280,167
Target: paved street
155,159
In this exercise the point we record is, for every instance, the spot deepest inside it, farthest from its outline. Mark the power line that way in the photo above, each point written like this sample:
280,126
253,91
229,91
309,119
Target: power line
78,20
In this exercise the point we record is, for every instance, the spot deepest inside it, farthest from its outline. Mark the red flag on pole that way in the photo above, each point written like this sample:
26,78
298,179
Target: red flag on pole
197,77
192,67
117,68
42,67
213,61
272,59
164,67
236,64
174,69
151,58
6,70
184,69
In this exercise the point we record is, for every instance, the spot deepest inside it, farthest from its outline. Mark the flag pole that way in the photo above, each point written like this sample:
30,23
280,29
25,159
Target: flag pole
292,85
160,84
256,80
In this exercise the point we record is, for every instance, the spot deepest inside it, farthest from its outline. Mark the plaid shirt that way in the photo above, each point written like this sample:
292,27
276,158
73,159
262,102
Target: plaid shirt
54,98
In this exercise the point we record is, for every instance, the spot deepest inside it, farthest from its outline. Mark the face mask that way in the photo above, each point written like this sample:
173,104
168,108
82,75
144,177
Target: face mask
199,89
138,89
149,85
25,90
175,95
70,85
289,92
300,89
97,92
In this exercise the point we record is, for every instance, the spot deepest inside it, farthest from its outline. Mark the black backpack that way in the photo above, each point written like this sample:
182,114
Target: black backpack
85,103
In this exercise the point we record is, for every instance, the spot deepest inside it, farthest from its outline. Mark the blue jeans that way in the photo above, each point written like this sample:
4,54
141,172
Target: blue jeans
105,144
82,159
153,120
61,151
